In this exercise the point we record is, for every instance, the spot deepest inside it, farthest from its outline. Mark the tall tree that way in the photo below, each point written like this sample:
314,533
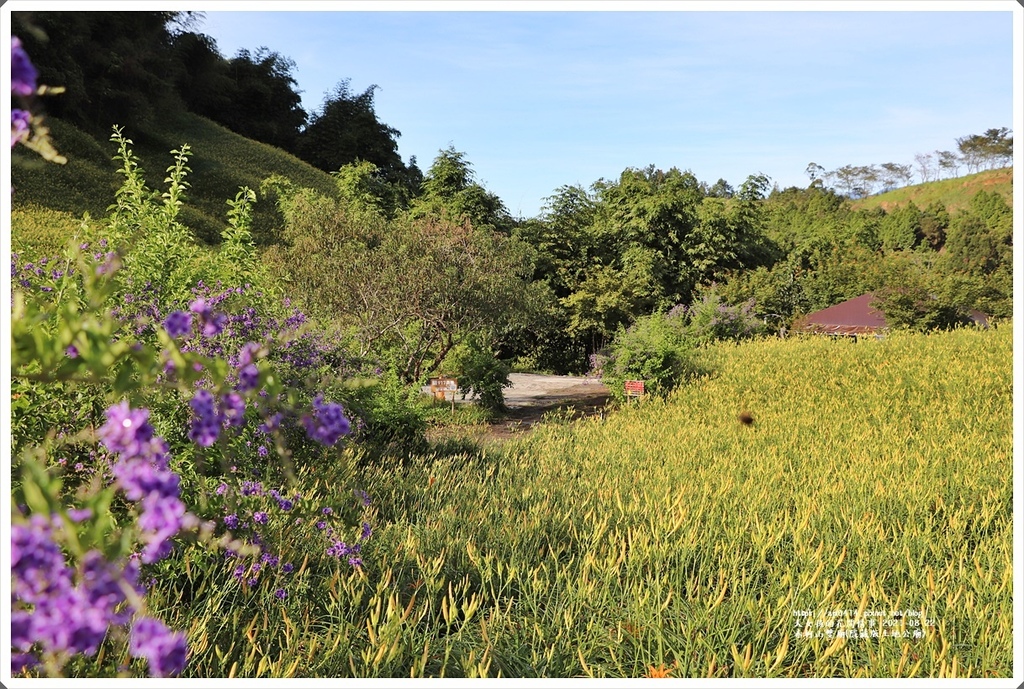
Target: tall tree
264,103
450,191
346,129
116,67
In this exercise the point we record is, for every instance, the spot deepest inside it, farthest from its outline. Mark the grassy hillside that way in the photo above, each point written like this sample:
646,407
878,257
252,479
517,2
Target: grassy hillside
221,162
671,539
953,193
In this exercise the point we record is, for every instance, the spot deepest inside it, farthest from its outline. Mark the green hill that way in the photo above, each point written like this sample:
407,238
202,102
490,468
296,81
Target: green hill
50,199
953,193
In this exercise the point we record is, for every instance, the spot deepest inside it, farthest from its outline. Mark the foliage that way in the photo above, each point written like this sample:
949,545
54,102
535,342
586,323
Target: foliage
649,562
345,130
710,319
480,372
95,510
256,98
952,194
123,77
411,289
656,349
451,193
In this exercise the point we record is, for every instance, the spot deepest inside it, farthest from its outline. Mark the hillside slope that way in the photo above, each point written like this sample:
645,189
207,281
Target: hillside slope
221,162
953,193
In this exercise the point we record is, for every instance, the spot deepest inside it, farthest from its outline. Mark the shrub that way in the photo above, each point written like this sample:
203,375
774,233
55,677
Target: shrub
480,372
656,349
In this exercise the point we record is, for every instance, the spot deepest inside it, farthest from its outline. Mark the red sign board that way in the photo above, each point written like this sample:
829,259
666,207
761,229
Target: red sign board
634,388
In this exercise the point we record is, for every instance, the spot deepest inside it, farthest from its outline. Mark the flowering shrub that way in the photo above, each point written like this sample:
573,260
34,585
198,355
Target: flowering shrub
99,496
53,343
710,319
655,349
661,349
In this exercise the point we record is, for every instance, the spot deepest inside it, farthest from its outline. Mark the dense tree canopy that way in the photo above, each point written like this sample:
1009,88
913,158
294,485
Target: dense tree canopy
345,129
116,67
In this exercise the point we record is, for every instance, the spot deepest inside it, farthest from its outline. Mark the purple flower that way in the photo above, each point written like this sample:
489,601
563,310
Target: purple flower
328,423
363,497
272,423
321,525
20,120
77,515
365,534
327,510
127,431
165,651
287,568
66,616
248,378
231,521
71,352
252,488
178,324
262,451
205,427
232,409
213,323
221,489
247,353
260,517
337,549
280,594
239,572
23,72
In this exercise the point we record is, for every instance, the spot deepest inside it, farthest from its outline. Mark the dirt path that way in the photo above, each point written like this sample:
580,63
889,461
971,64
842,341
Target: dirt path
533,395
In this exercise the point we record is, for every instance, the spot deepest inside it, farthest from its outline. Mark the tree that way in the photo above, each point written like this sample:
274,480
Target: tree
204,82
998,146
925,166
346,129
116,67
949,162
900,229
410,289
814,171
847,179
721,189
264,104
980,238
891,174
450,191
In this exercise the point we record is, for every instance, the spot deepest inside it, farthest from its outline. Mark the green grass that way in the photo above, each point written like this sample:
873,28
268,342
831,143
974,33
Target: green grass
221,162
668,538
955,194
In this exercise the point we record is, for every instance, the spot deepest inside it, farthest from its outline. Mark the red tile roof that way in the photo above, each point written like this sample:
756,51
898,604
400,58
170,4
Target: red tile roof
853,316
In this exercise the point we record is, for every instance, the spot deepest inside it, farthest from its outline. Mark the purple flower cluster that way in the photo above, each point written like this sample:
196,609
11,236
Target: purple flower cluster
212,323
65,616
328,422
165,651
178,324
284,503
340,549
23,83
53,611
23,72
142,473
296,347
208,417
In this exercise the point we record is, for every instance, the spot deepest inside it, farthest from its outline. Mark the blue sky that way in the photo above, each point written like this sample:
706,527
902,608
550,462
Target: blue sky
537,100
